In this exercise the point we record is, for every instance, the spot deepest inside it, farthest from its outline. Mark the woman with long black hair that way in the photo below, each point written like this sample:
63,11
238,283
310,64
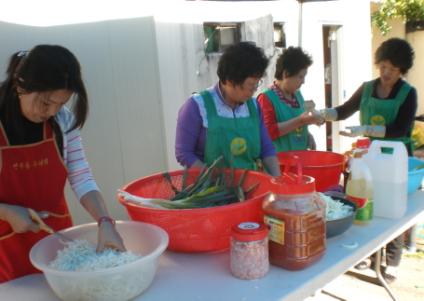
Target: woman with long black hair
40,148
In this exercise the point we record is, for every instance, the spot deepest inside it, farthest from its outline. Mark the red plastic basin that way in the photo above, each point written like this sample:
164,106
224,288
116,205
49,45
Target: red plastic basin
325,167
200,229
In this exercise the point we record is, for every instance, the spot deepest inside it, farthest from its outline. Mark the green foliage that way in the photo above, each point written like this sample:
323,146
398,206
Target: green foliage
406,10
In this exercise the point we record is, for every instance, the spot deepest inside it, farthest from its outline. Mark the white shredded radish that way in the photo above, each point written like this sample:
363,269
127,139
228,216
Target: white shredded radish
81,256
335,209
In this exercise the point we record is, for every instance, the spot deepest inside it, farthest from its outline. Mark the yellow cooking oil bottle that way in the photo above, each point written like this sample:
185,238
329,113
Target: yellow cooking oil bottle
361,145
359,189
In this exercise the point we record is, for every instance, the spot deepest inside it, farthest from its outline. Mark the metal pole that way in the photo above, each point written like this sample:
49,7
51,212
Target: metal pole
299,27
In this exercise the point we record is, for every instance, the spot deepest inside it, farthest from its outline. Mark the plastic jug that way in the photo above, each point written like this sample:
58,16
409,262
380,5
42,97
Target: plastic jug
388,162
359,189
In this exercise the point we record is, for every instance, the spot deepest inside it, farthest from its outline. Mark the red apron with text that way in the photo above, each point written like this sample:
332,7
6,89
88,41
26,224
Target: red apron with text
31,176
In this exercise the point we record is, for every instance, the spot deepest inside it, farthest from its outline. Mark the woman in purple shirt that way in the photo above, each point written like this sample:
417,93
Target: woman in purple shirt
224,120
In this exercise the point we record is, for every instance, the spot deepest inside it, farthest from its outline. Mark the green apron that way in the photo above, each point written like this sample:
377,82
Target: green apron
374,111
237,139
297,139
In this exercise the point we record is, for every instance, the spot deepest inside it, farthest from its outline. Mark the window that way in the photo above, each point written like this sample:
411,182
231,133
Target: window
279,35
218,36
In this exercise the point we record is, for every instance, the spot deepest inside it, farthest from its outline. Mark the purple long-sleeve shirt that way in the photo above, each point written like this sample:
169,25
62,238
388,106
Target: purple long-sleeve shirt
192,126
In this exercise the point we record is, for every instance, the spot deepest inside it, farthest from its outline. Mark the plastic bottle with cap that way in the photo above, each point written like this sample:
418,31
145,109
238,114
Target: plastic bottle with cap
359,188
360,146
249,250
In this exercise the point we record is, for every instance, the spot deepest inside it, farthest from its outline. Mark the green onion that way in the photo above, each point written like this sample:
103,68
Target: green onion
212,187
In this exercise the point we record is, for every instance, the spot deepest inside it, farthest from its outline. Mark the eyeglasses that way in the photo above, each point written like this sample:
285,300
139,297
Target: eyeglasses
253,86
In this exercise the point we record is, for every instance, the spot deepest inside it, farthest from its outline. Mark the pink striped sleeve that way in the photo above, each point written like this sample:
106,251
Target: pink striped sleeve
79,171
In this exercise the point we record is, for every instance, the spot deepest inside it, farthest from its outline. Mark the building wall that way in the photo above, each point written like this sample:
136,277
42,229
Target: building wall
415,75
353,17
184,68
124,134
140,71
416,39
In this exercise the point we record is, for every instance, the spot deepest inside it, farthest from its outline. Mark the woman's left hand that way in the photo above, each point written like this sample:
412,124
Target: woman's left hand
109,238
311,118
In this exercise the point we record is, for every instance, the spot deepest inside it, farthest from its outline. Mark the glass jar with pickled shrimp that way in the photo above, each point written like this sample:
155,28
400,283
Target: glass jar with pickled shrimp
249,250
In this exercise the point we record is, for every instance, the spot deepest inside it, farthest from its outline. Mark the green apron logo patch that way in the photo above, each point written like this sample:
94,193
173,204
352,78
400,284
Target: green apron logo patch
238,146
299,131
378,120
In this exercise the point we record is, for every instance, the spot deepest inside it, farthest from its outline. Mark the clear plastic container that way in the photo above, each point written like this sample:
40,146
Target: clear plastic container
249,250
123,282
297,229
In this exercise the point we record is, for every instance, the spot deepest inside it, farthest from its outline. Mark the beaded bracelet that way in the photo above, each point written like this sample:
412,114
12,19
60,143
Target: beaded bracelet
105,219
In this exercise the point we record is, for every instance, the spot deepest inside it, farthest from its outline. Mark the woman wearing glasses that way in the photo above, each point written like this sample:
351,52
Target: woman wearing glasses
286,114
40,148
224,120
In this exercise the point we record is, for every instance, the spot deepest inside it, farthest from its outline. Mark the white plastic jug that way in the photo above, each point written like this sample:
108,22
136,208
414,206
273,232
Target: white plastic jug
388,162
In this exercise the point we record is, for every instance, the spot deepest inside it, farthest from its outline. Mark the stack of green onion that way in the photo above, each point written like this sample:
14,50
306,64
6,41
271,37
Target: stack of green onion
211,188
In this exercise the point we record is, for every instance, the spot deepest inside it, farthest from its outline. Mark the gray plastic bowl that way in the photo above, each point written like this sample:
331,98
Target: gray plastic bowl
339,226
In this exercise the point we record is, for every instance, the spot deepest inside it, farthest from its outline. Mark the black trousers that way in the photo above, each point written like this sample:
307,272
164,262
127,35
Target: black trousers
393,251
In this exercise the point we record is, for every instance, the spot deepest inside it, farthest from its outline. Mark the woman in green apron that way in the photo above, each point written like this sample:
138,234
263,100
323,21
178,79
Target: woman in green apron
225,120
285,113
388,104
387,107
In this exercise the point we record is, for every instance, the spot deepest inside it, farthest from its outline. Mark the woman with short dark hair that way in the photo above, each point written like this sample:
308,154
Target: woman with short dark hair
224,120
387,107
285,113
387,104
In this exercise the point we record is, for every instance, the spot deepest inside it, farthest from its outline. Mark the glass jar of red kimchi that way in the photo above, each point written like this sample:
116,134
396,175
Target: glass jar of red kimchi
296,225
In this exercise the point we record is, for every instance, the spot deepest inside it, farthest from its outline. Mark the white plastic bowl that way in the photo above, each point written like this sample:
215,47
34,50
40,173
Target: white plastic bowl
119,283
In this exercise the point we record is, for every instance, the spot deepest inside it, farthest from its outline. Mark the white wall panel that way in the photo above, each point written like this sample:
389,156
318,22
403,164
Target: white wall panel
123,136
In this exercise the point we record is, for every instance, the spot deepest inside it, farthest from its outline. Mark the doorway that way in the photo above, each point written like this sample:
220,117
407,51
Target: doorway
331,46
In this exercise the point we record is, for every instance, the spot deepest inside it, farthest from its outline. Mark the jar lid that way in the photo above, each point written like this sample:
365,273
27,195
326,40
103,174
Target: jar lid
249,231
289,183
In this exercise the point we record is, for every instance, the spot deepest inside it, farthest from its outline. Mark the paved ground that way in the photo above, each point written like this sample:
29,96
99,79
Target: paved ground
408,287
